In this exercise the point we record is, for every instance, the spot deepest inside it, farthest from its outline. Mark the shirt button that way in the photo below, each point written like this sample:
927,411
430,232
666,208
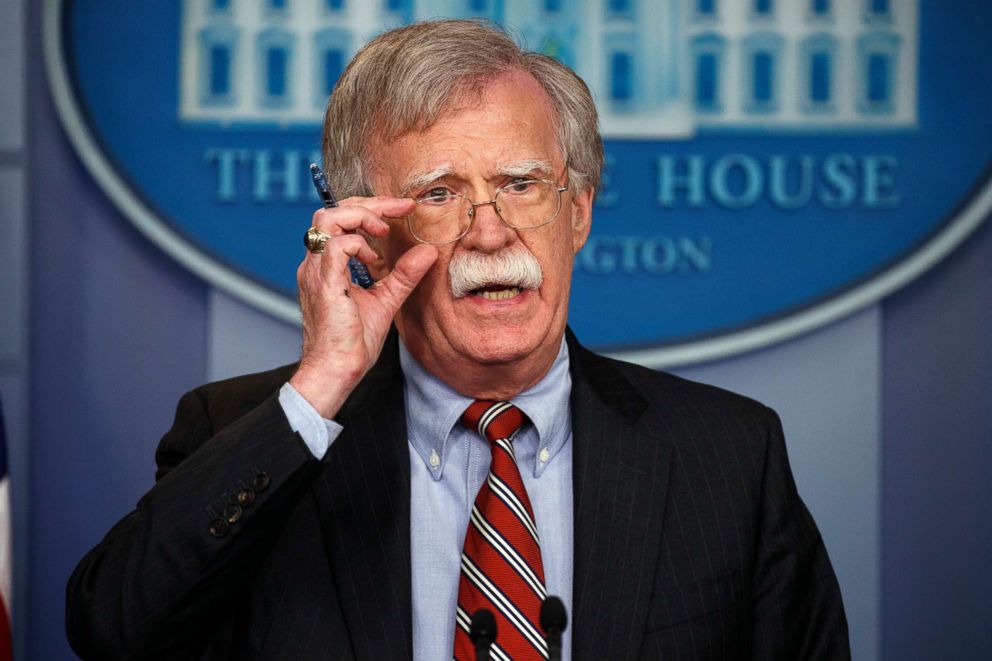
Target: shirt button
434,460
544,456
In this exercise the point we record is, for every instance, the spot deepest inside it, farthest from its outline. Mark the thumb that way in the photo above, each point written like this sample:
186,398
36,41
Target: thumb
409,270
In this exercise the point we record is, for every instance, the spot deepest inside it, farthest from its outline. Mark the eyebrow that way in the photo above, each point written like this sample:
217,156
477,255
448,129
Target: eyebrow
526,166
418,179
518,169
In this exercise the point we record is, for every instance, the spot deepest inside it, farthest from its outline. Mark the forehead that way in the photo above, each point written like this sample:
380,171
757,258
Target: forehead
510,122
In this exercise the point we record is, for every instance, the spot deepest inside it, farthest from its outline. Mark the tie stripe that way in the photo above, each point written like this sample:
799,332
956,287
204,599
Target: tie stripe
517,508
509,553
504,605
501,566
489,416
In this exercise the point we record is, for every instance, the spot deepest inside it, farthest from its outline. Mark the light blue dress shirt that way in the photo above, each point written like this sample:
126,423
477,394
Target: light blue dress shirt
448,464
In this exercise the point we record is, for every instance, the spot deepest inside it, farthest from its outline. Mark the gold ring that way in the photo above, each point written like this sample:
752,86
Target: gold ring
314,240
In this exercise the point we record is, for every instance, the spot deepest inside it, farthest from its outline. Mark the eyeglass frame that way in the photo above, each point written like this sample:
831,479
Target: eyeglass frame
473,205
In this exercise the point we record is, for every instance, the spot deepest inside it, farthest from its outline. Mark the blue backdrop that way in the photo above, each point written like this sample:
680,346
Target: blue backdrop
103,332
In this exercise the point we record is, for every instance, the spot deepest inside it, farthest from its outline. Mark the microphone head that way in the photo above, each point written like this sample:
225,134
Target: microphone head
483,626
553,615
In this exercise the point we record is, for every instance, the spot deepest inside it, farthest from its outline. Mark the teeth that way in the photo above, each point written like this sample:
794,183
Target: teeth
500,295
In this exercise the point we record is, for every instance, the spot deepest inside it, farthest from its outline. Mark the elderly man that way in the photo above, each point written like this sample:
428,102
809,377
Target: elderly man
445,445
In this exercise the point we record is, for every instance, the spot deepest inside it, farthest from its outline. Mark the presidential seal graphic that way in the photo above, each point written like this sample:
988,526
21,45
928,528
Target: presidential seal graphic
772,165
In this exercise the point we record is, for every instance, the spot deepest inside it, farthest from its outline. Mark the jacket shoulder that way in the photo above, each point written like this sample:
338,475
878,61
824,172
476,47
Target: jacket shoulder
227,400
204,411
668,395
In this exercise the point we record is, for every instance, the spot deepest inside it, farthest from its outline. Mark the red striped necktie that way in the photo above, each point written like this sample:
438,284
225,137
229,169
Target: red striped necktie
501,561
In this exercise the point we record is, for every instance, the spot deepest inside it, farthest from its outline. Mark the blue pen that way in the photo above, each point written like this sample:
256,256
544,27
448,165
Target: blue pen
359,273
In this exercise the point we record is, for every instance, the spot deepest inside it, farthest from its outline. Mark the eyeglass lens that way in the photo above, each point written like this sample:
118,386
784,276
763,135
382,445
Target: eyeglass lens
522,205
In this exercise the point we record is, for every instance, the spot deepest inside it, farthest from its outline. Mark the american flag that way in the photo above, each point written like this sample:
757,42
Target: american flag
6,549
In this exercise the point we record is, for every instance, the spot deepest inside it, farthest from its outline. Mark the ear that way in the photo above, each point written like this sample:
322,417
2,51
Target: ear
581,218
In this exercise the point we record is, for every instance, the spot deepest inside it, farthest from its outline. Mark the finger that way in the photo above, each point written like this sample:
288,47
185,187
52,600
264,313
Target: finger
406,275
337,251
383,205
344,220
365,213
303,275
309,284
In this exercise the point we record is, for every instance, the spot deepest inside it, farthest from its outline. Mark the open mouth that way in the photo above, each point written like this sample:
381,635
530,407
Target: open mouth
497,292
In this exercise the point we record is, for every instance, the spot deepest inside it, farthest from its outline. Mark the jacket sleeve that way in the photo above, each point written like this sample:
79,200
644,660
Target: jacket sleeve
166,576
798,611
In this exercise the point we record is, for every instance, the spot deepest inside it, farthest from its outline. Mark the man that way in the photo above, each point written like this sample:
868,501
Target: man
338,509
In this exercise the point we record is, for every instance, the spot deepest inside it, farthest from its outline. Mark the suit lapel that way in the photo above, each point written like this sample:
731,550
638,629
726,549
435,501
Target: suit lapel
364,503
620,481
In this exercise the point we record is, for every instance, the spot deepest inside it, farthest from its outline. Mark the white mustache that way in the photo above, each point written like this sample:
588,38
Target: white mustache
471,270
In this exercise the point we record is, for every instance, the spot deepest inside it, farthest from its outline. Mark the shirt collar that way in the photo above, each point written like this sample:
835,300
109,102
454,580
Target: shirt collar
546,403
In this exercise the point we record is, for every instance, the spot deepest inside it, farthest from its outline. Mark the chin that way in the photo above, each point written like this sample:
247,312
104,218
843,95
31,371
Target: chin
500,354
491,346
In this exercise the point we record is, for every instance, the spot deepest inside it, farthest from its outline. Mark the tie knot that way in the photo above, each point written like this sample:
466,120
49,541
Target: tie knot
493,420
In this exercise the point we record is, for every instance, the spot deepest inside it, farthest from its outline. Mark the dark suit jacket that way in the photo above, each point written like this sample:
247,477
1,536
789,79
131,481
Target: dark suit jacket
691,541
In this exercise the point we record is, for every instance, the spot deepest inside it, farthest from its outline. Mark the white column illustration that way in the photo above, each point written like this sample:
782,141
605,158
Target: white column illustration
657,68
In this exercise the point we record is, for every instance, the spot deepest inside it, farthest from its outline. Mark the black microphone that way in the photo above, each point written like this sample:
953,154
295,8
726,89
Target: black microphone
483,633
554,619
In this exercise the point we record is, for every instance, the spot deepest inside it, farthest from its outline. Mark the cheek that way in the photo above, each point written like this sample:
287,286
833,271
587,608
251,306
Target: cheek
559,256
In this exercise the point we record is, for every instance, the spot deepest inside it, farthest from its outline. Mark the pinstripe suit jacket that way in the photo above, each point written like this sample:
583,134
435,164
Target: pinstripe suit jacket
691,541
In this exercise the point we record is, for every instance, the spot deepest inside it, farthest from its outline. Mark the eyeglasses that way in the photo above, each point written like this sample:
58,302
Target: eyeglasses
442,216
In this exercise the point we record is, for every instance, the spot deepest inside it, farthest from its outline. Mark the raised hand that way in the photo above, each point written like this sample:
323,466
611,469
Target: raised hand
344,326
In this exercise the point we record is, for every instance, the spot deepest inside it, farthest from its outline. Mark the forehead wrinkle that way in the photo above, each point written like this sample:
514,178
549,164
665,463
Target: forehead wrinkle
424,177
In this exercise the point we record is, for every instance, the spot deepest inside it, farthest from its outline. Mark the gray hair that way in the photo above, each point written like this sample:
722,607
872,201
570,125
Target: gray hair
407,78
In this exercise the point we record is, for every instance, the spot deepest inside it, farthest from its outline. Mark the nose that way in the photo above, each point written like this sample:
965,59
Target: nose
487,233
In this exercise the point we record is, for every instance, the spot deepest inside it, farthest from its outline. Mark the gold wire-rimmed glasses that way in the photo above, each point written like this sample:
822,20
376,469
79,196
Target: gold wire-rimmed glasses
443,216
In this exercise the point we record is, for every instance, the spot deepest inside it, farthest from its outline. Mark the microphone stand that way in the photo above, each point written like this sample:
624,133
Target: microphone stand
483,633
554,620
